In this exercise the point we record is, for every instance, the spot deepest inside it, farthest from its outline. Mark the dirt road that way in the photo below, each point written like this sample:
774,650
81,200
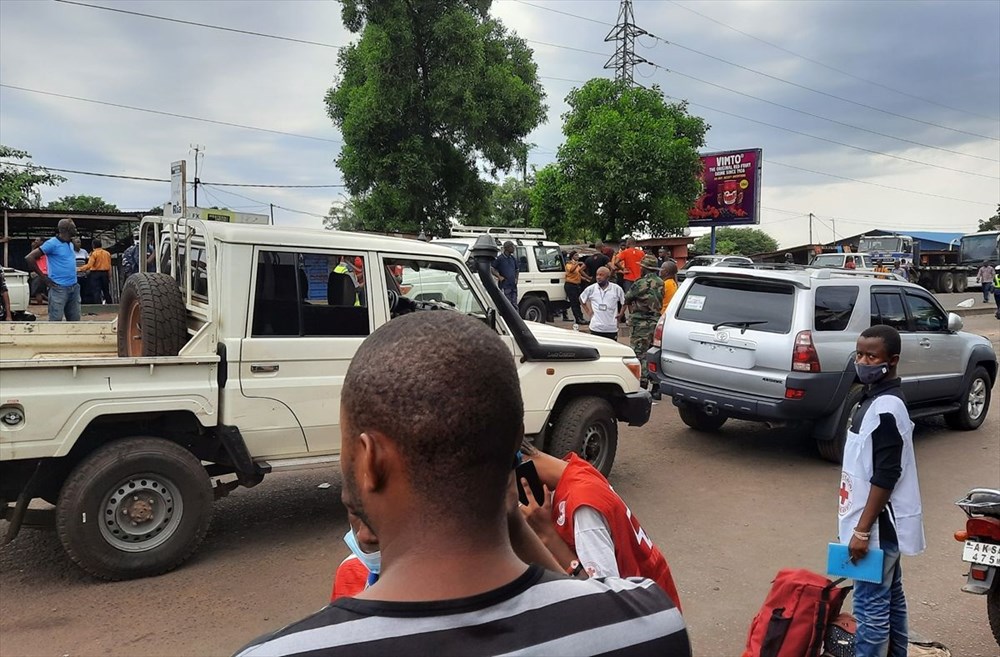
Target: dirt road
728,511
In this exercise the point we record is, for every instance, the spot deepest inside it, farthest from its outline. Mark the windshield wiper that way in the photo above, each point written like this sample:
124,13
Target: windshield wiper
743,326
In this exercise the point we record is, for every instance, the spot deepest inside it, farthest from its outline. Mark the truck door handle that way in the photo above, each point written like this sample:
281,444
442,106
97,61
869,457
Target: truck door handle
270,368
924,342
554,281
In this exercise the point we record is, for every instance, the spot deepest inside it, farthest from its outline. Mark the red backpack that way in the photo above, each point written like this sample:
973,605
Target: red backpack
793,619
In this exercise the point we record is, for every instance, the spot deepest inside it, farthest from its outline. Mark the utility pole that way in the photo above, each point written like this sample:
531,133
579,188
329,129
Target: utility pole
810,227
199,151
624,33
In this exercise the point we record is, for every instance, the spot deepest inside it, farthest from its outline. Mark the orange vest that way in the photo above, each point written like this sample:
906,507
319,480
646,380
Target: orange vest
583,485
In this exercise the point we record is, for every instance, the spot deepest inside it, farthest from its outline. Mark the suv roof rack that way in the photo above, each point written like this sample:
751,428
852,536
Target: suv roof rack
499,232
824,273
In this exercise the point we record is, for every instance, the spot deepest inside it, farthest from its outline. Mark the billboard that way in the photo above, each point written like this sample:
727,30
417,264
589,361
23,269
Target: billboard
731,196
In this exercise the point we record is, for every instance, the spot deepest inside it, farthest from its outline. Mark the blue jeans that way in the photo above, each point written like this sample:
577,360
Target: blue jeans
880,610
511,294
987,290
64,301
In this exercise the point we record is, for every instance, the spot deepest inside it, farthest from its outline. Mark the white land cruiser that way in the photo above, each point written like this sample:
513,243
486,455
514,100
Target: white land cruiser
541,292
225,364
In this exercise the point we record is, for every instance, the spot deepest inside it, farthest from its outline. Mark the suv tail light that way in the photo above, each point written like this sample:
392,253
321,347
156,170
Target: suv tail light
804,356
658,332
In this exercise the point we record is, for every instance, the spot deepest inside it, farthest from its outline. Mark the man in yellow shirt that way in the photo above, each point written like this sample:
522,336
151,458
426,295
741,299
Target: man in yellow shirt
99,266
668,272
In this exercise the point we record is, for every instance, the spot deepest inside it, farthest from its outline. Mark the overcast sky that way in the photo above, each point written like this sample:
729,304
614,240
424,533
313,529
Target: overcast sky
926,75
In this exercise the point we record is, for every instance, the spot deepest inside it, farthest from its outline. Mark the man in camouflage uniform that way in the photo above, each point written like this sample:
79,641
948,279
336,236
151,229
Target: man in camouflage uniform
644,299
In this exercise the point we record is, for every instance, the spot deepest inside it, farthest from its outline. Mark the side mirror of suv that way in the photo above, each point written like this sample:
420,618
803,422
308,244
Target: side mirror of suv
955,323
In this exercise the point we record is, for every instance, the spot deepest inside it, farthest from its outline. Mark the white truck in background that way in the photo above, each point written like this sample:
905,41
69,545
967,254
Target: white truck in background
225,364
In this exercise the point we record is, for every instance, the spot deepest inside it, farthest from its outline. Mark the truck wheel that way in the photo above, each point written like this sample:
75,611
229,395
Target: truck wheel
134,508
151,317
832,449
975,403
699,419
945,283
533,309
588,427
961,282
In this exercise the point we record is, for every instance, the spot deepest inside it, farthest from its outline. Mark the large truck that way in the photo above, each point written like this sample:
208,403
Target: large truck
944,271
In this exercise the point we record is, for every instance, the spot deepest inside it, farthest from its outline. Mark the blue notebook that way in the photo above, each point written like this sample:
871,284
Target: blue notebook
838,563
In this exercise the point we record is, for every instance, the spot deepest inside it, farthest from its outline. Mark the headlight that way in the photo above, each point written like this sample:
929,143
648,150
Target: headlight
634,367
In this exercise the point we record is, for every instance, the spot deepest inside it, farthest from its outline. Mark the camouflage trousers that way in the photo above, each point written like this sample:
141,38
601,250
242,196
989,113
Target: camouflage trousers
641,328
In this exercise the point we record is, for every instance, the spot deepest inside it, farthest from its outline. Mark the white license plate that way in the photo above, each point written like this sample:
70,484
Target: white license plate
985,553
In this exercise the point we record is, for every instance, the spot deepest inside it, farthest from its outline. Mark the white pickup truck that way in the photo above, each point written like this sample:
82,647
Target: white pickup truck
225,364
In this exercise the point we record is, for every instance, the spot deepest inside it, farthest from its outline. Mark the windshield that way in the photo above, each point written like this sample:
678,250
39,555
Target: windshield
829,260
457,246
977,248
880,244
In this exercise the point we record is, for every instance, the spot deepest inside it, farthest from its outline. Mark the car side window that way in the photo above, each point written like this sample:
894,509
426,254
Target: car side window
887,308
548,258
522,258
834,306
309,295
925,313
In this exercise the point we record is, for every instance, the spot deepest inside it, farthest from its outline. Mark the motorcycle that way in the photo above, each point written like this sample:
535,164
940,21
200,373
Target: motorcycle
981,551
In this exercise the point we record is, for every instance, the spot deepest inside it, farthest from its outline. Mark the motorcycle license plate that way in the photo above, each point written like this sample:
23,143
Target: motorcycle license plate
985,553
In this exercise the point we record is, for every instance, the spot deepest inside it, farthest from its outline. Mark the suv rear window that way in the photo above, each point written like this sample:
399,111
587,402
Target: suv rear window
714,300
834,306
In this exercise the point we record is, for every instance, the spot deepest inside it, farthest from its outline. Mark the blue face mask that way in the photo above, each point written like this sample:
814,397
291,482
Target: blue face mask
869,374
371,560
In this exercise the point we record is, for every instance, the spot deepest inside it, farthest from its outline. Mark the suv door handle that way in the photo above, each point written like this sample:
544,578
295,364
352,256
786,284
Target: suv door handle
257,368
924,342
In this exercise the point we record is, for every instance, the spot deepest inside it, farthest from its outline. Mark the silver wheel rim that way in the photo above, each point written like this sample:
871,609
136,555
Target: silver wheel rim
977,399
533,314
141,513
595,444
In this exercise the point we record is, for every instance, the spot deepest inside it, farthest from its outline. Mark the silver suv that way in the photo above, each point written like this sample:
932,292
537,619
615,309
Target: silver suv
778,345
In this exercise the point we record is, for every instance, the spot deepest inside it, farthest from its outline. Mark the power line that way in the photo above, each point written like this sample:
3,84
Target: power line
826,139
767,75
827,66
171,114
280,207
824,118
817,91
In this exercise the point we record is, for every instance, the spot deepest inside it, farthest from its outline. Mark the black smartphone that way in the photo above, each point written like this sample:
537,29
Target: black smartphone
526,470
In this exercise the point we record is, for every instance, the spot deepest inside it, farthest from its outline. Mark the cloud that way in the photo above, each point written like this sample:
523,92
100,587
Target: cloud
947,53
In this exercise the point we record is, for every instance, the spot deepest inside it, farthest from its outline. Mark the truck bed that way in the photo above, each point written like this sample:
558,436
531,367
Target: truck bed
46,340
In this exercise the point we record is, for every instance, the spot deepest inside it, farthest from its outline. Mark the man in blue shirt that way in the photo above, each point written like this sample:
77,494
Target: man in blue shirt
506,269
64,290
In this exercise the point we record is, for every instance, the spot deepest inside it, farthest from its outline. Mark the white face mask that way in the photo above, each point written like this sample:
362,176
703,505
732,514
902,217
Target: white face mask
371,560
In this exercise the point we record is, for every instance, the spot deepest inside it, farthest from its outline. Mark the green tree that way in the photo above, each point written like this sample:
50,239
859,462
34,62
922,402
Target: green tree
342,217
431,92
730,240
510,204
19,183
993,223
630,160
81,203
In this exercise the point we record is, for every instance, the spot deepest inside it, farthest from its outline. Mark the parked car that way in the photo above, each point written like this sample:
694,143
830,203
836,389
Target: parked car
779,345
713,261
841,260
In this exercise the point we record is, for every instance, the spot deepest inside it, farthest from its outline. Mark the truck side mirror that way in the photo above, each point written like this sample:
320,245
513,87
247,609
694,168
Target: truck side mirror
955,323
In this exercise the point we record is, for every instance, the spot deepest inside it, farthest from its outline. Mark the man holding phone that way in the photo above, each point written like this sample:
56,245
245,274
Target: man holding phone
586,525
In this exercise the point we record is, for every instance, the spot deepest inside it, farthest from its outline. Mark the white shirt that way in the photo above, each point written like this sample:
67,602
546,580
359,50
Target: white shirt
604,303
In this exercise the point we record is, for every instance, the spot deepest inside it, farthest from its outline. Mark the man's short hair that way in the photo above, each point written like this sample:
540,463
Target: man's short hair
95,243
444,389
889,337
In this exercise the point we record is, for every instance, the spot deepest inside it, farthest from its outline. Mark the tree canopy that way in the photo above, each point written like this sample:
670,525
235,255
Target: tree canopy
82,203
509,204
992,223
431,92
730,240
19,184
629,163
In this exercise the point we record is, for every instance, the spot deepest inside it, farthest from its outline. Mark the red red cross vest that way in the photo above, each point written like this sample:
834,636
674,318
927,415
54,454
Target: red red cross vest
582,485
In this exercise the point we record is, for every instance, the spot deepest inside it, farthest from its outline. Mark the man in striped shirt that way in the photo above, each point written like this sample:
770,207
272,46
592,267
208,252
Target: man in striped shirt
430,423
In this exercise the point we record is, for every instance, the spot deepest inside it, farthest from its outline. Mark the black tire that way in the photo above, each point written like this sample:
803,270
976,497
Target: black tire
961,282
532,309
700,420
588,427
151,317
171,497
975,403
945,282
993,609
832,449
